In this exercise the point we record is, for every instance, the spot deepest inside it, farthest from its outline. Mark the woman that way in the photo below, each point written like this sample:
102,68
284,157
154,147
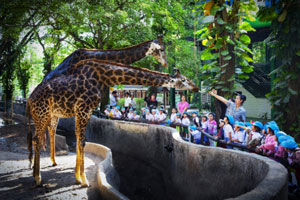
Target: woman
234,109
183,105
152,102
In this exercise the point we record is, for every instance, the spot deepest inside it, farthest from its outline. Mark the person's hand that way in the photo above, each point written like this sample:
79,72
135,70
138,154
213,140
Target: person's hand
213,92
228,142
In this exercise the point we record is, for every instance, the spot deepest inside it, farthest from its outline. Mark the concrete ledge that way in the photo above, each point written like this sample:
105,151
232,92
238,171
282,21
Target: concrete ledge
107,177
190,171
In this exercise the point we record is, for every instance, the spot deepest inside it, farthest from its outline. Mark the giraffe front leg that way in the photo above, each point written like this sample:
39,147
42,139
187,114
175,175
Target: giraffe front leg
52,131
36,166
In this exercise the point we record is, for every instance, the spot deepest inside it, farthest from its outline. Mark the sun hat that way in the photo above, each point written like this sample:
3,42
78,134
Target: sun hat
118,107
258,124
123,108
230,119
240,124
193,128
178,114
284,138
289,144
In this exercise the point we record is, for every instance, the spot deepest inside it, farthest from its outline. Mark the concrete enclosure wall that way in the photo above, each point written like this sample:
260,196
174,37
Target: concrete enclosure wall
191,171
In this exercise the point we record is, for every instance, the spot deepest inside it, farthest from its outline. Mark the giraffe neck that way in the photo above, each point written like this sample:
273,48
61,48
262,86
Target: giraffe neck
126,56
114,74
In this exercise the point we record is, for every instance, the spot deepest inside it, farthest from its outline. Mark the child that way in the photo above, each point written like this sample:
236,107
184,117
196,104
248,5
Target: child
148,116
254,136
173,118
238,135
130,114
220,135
123,113
228,131
211,128
136,117
143,113
195,133
107,110
177,122
161,116
155,116
196,119
117,113
270,144
185,123
204,128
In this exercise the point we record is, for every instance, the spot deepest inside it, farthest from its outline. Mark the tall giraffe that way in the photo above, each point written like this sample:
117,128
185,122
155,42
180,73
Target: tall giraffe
125,56
128,56
78,95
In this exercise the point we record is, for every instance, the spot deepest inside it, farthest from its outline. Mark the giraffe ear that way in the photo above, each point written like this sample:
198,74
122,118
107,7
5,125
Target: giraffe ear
176,72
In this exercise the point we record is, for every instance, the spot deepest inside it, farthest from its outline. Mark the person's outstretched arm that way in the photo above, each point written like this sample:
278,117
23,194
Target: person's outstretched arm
214,94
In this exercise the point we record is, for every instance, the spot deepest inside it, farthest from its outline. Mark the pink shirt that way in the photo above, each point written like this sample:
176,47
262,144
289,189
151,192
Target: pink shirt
270,143
182,105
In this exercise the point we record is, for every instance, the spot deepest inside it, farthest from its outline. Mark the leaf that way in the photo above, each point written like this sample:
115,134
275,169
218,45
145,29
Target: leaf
227,58
286,98
220,21
293,92
298,53
206,55
245,39
208,19
224,53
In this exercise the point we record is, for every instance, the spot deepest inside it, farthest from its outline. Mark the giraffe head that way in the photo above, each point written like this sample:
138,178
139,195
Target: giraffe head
181,82
157,50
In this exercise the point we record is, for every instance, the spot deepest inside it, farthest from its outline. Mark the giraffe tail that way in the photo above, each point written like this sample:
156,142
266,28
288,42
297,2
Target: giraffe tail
29,134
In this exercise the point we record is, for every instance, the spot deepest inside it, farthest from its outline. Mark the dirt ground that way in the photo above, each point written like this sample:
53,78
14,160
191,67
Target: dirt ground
16,180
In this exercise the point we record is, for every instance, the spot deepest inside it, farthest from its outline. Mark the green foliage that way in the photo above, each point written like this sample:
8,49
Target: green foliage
285,41
223,33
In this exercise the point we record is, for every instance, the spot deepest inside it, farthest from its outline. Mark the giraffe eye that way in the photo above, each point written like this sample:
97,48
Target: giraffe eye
183,80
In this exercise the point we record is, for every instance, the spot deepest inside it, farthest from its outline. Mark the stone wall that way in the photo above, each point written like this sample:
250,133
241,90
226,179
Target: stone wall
191,171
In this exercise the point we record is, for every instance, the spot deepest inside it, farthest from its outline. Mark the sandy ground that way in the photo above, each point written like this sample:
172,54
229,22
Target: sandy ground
16,180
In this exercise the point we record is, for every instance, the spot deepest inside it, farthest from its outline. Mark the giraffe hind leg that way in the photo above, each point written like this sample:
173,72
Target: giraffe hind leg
81,123
52,131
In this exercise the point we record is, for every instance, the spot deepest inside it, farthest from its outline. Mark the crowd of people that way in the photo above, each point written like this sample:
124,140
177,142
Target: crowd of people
232,132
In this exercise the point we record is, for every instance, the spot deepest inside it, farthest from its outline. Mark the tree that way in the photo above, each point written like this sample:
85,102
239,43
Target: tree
226,55
285,42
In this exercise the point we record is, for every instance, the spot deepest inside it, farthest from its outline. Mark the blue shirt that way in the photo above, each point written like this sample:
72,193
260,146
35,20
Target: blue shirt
239,114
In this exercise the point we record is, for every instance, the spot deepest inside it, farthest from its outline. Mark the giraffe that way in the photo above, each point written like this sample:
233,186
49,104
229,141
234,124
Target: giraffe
79,93
125,56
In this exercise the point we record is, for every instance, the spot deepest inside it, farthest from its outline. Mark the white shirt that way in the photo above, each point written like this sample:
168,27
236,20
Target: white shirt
255,135
130,116
178,121
127,101
113,101
161,117
204,125
133,103
196,134
106,112
227,129
137,117
149,117
185,121
117,114
173,117
239,135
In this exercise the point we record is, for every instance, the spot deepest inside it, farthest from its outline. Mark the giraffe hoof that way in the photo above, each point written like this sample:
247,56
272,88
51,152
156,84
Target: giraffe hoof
38,181
54,164
84,185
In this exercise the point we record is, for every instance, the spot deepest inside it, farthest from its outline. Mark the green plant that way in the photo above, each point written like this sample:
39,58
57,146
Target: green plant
226,56
285,42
